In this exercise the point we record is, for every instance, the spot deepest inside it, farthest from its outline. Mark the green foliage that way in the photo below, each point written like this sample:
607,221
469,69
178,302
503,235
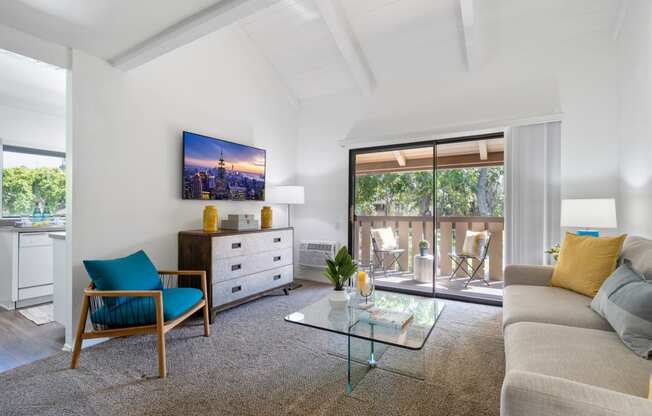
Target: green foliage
340,269
554,250
460,192
424,244
24,188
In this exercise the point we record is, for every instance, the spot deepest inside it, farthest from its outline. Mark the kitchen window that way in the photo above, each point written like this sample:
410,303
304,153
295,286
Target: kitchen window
32,178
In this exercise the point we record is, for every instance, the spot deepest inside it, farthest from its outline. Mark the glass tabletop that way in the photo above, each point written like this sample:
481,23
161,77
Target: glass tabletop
350,319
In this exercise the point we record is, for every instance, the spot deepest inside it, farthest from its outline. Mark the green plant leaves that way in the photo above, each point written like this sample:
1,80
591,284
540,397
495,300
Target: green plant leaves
340,268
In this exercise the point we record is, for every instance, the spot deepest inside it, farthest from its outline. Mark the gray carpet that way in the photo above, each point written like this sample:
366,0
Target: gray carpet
254,363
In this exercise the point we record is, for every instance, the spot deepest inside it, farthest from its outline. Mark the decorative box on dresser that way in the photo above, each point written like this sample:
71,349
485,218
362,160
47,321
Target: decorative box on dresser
240,265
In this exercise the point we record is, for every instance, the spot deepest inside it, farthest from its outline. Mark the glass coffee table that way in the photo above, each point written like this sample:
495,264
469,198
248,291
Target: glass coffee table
364,342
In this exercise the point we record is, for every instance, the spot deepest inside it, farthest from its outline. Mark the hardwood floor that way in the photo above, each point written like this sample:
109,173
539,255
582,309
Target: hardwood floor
22,341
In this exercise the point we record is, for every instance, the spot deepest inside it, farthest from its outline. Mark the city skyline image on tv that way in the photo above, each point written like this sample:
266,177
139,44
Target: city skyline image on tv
215,169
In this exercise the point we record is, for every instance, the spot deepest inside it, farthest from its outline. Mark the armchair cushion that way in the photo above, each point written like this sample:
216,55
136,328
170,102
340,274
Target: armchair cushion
142,310
134,272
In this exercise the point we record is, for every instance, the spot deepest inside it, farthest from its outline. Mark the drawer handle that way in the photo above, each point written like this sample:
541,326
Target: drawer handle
235,289
277,277
277,240
277,258
235,267
236,245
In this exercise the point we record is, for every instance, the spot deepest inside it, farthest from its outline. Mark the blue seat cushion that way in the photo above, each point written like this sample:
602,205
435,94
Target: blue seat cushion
142,311
134,272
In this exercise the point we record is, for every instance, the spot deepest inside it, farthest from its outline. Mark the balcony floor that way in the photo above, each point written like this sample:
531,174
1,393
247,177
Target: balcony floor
475,290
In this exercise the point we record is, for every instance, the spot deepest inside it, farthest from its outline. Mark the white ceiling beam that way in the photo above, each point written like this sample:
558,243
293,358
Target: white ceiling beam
482,144
467,12
340,28
400,157
620,19
190,29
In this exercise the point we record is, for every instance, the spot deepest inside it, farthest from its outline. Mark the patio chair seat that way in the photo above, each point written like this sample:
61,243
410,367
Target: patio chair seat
383,241
142,311
461,259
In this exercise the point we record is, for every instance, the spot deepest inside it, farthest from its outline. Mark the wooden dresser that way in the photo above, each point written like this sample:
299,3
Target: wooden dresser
240,265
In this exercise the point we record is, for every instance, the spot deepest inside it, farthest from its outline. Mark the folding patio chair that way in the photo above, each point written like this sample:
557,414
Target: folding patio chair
477,252
384,243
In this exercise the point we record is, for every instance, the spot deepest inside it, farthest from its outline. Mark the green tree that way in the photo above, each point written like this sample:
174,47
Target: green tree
24,188
460,191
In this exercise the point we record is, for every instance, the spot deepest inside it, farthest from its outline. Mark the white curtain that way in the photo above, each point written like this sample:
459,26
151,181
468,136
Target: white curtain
532,192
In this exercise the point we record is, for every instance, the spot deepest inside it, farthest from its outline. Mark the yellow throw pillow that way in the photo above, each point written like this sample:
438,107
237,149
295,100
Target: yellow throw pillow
585,262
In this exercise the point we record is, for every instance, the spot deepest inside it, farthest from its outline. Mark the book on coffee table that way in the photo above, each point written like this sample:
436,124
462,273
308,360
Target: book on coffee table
392,319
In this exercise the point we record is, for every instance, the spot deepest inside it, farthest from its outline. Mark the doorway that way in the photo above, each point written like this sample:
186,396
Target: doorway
411,206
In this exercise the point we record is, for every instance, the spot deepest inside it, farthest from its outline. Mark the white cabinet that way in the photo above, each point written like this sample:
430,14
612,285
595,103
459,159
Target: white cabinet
26,271
34,261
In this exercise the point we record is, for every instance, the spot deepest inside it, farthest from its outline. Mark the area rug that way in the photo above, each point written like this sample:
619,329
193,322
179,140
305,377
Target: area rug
40,315
254,363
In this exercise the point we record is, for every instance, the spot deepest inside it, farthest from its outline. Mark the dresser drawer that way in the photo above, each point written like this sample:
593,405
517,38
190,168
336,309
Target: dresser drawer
250,243
271,240
235,289
233,267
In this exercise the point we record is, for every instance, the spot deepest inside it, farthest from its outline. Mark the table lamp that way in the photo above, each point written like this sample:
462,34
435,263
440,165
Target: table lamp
290,195
589,214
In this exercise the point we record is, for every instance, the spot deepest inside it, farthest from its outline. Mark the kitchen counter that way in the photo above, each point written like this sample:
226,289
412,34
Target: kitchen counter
33,229
60,235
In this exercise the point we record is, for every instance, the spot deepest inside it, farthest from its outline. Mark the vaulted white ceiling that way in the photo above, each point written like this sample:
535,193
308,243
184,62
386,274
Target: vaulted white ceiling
31,85
104,28
319,50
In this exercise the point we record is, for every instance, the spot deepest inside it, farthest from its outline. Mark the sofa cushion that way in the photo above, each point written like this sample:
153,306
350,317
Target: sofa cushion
585,262
534,394
551,305
638,251
589,356
625,301
142,310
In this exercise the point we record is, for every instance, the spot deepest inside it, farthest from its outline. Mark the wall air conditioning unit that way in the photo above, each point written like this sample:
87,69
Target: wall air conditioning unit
315,253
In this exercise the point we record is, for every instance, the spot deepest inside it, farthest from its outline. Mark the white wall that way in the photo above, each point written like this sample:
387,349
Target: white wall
322,168
126,154
635,47
27,128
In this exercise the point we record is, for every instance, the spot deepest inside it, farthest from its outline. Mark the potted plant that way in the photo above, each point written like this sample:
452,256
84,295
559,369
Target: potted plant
554,251
424,245
338,271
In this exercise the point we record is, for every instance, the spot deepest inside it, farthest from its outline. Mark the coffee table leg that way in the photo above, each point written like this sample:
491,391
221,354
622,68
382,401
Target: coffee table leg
372,356
349,384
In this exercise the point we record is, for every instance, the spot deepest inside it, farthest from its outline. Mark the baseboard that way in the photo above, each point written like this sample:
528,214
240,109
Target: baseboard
85,344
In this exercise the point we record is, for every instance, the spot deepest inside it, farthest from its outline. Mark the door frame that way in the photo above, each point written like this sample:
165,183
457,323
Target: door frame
353,152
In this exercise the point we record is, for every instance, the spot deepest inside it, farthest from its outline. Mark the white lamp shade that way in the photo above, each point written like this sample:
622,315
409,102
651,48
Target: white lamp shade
589,213
285,195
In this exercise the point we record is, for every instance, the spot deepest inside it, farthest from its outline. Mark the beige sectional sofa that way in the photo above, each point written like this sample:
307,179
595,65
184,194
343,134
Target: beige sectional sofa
561,357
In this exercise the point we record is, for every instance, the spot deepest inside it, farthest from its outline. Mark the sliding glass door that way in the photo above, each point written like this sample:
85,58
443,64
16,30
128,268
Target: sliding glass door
391,229
412,206
469,201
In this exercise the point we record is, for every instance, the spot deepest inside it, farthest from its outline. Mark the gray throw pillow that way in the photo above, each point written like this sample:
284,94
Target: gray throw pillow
625,301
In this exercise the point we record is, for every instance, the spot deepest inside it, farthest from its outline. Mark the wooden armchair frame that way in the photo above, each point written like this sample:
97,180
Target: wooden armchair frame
160,328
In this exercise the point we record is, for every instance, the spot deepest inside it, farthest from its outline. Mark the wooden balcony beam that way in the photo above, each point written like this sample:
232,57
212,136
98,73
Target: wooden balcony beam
443,162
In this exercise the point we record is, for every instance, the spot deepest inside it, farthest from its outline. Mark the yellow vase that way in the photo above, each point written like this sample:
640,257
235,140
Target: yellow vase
266,217
210,219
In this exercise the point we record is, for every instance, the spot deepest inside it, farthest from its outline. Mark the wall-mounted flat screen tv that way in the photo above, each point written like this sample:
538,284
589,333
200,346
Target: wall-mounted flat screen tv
216,169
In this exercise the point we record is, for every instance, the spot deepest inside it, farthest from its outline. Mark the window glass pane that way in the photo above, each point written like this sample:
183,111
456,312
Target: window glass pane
30,180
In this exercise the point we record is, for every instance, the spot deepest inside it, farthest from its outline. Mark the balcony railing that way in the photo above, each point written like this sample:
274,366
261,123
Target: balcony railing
410,230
